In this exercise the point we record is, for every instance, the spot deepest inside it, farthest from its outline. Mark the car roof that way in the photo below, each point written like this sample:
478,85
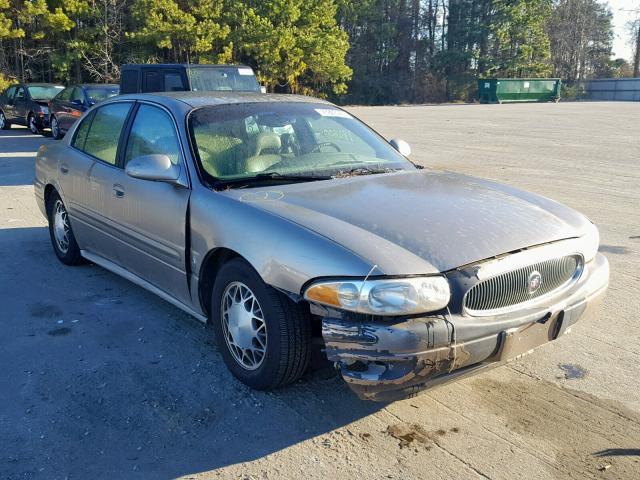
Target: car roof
96,85
41,84
203,99
183,65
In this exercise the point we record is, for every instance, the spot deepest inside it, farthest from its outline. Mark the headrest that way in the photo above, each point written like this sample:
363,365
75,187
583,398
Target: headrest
266,141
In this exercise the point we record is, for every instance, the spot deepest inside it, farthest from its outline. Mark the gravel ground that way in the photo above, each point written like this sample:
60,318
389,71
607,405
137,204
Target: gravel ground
103,380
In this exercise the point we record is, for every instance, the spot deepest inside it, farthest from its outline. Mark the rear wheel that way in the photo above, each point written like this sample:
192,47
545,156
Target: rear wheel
4,123
60,232
56,133
264,337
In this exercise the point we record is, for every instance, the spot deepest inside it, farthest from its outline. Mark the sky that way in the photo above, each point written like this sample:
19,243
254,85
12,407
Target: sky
623,12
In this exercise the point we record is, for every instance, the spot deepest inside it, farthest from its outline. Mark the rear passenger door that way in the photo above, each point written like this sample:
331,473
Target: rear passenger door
91,173
19,112
150,216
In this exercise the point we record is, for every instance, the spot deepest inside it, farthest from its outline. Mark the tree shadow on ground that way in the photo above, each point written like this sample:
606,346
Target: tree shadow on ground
104,380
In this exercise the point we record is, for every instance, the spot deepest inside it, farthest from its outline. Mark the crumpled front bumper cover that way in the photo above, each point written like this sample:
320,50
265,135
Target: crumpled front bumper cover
390,359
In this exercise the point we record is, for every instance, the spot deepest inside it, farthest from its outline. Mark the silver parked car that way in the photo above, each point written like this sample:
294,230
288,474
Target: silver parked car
283,220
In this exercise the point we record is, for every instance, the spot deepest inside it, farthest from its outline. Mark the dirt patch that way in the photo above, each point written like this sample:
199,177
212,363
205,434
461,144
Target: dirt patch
44,310
572,372
59,332
407,434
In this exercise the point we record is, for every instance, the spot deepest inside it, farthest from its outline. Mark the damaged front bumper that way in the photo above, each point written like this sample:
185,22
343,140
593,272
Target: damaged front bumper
389,359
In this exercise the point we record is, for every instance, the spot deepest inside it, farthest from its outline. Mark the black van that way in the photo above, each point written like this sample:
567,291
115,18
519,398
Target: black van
140,78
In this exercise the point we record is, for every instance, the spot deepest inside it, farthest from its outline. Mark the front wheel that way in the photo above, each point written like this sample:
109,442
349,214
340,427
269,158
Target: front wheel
31,123
4,123
264,337
56,133
60,232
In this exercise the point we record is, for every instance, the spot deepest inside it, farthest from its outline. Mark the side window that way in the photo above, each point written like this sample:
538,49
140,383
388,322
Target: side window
129,81
81,132
65,95
11,92
20,93
152,81
152,132
173,82
104,133
77,95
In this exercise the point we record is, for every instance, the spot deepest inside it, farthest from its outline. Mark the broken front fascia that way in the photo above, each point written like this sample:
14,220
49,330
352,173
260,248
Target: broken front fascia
391,358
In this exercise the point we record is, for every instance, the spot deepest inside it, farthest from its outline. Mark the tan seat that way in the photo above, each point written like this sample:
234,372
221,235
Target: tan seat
266,152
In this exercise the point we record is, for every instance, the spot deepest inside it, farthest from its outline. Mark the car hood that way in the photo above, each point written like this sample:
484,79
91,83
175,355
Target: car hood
420,221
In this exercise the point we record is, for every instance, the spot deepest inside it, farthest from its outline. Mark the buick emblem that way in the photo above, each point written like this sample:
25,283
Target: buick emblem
533,282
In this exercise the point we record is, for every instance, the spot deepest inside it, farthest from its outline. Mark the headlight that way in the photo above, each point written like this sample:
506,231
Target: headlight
402,296
590,242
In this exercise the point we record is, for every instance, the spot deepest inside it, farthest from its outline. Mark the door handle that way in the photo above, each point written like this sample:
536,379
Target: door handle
64,169
118,191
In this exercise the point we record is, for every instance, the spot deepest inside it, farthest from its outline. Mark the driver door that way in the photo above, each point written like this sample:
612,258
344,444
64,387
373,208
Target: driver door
150,216
20,106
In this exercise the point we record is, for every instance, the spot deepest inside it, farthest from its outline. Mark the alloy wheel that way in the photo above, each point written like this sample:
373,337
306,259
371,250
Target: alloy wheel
55,128
3,121
243,325
61,226
32,124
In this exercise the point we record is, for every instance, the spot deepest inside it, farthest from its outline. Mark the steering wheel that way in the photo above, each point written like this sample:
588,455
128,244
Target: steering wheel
319,146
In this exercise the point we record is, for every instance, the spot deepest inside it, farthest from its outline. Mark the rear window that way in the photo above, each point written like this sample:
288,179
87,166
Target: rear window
44,92
97,94
223,78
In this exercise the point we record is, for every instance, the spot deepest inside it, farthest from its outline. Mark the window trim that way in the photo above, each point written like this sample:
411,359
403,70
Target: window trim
176,129
93,116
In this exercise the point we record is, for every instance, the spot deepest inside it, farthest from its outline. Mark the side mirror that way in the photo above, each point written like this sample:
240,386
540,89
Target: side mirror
76,103
401,146
155,167
263,89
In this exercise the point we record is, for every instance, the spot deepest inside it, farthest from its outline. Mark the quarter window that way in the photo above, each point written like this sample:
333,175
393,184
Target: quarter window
104,133
153,132
173,82
81,132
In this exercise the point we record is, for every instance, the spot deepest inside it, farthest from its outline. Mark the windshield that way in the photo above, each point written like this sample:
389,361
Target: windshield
210,79
251,140
44,92
97,94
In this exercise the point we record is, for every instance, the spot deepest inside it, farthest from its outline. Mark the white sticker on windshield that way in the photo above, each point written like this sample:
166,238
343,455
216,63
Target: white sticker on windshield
332,112
245,71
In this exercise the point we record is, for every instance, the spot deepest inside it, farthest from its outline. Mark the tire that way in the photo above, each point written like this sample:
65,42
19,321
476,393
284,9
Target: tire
56,133
31,124
4,123
62,238
282,326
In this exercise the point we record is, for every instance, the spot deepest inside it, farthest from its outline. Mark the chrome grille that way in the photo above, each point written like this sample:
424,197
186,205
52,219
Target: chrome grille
512,288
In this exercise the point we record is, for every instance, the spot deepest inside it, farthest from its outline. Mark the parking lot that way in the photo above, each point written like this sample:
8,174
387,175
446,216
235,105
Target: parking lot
101,379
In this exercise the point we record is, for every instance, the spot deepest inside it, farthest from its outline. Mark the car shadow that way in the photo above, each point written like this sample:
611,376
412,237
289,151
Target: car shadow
104,380
618,452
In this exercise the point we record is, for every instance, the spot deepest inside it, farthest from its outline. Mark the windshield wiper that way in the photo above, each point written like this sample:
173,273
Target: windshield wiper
363,171
265,177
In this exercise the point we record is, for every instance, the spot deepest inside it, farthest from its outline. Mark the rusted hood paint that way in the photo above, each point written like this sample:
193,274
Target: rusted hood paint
420,221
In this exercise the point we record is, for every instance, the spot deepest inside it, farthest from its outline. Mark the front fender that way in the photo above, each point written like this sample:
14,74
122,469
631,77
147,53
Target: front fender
286,255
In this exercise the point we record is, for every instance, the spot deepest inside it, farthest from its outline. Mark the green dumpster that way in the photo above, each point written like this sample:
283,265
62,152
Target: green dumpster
499,90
